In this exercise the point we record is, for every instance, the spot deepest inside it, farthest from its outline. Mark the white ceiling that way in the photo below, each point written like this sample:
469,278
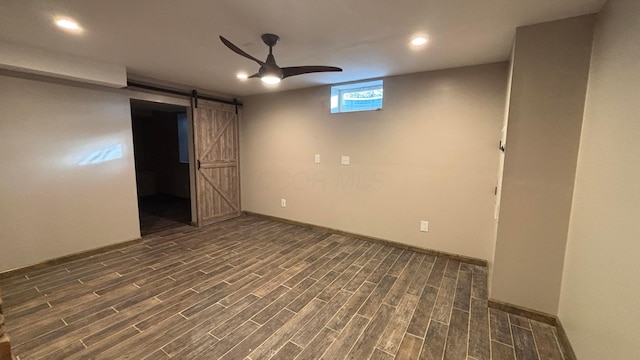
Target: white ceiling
177,41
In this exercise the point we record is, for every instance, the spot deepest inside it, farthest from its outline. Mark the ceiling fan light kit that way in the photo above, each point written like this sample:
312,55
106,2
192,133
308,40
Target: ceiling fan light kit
270,79
269,72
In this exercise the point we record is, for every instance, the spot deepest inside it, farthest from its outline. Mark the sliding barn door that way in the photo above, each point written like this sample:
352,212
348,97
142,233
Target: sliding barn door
215,128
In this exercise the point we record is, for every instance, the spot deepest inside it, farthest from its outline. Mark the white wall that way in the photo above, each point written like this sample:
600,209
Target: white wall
430,154
52,205
600,299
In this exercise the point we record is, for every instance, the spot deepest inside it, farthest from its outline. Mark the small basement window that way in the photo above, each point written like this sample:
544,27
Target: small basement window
183,139
362,96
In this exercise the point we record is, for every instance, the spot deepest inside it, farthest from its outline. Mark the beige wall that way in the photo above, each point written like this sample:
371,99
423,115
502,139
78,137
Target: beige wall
599,305
28,59
550,71
430,154
51,204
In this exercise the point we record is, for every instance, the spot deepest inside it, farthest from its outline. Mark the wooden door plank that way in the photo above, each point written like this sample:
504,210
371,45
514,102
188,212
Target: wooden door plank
216,146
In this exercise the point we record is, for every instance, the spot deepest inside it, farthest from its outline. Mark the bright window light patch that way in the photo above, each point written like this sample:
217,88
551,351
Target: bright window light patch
101,155
362,96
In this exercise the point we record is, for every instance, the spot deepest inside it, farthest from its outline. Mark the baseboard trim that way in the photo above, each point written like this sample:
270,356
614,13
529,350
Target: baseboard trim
523,311
67,258
461,258
565,345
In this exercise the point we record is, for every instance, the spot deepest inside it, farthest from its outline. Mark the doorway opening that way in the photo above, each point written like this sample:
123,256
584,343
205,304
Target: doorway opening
161,144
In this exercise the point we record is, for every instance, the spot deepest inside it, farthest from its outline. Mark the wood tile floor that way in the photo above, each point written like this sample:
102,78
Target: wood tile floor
252,288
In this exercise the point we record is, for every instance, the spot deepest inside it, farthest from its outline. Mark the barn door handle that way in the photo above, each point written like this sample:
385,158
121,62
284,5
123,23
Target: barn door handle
500,146
199,165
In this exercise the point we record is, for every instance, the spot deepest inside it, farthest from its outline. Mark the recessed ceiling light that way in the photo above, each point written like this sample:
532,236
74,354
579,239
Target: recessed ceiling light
68,24
418,41
242,76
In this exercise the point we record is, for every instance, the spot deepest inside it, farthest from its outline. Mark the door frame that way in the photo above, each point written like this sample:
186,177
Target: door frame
186,103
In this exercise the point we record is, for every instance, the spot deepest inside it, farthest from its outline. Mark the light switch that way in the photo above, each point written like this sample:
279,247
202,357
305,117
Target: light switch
317,159
345,160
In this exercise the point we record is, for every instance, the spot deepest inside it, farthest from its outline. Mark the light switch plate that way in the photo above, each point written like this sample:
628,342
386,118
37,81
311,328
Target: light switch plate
345,160
317,159
424,226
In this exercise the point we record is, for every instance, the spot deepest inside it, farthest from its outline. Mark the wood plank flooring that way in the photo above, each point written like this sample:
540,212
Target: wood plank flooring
253,288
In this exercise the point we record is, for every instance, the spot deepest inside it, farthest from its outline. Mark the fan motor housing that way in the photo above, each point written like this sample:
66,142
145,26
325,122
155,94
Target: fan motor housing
270,39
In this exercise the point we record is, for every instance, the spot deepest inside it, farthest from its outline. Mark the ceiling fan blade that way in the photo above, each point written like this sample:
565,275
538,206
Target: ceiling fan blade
298,70
238,51
256,75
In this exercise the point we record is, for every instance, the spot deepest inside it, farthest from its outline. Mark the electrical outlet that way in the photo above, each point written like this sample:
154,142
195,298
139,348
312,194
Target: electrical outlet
424,226
317,159
283,202
345,160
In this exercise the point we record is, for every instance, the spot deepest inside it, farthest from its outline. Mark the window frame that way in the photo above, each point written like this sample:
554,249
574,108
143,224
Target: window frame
183,137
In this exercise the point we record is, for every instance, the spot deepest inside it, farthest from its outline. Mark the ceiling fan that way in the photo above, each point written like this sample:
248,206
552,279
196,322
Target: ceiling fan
269,71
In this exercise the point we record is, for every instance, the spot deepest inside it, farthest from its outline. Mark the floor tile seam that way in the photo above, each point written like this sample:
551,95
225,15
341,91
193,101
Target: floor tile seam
296,332
182,334
339,289
315,281
501,343
469,327
112,335
384,351
367,299
214,277
356,311
438,321
367,317
558,344
161,349
520,327
51,306
468,311
58,267
489,334
511,333
348,351
43,278
440,288
452,278
446,338
404,330
300,346
296,312
306,277
455,293
533,337
15,294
